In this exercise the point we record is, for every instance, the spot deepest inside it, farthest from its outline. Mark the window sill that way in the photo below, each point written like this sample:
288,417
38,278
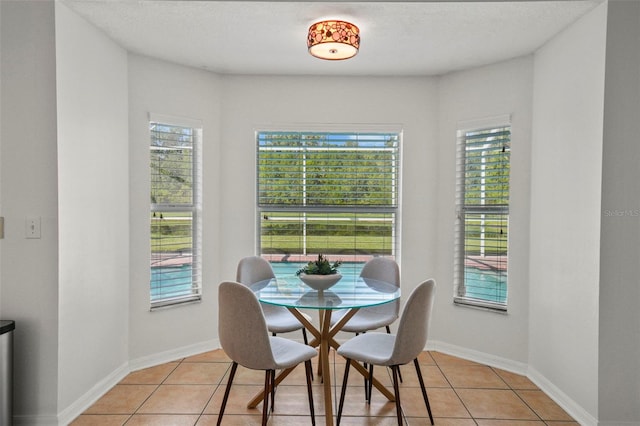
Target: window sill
480,304
168,305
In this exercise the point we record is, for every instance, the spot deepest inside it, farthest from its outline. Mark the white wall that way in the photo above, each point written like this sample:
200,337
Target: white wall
163,88
232,109
485,92
250,103
29,267
93,207
619,350
565,211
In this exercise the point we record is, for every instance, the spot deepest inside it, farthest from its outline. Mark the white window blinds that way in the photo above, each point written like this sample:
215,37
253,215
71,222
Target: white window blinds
331,193
483,216
175,230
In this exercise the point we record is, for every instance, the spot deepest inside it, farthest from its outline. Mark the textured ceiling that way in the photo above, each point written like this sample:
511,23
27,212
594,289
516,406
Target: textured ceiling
398,38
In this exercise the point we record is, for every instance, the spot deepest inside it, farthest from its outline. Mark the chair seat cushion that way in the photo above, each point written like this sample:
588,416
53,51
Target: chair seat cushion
365,320
280,320
372,348
288,353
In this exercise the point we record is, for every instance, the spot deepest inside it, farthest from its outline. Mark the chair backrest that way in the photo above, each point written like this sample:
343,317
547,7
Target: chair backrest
413,327
242,328
253,269
382,269
387,270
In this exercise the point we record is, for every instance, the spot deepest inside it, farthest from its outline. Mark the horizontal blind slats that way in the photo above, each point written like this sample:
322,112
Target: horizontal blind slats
483,201
332,193
175,260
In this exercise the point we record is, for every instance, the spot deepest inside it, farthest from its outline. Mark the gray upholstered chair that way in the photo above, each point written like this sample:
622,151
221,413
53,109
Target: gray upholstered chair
253,269
245,339
393,350
366,319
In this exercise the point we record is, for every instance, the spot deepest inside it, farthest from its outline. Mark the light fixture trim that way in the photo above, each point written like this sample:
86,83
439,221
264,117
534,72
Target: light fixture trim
333,40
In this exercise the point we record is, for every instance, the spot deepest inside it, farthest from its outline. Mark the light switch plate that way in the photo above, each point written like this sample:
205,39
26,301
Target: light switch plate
32,227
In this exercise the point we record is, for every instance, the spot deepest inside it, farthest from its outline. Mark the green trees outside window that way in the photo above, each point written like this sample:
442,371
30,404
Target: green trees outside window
331,193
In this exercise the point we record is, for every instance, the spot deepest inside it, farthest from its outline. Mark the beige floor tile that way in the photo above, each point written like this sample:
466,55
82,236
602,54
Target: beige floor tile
217,355
495,404
439,421
370,421
355,404
516,381
189,391
473,376
101,420
197,373
294,401
245,420
178,399
297,376
290,400
544,406
239,396
431,374
425,358
382,374
244,376
445,359
163,420
122,399
150,376
444,403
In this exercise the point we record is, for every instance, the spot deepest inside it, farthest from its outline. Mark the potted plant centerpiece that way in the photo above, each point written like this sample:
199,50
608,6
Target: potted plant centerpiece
320,274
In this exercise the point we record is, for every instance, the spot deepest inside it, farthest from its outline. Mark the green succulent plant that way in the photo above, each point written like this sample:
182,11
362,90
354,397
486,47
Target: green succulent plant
320,266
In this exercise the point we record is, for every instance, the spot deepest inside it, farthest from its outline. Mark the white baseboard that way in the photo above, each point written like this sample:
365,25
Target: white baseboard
67,415
569,405
173,354
479,357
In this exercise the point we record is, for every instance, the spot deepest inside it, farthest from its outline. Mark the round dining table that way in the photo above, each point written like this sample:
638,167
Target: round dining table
348,295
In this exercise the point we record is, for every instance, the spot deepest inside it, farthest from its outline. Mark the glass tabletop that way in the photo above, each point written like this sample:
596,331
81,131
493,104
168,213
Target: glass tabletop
349,292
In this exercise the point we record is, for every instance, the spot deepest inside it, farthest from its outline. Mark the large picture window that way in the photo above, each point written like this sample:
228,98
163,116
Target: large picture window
482,228
175,211
330,193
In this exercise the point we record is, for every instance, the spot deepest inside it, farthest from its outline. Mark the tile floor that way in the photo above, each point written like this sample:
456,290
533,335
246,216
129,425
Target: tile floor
189,392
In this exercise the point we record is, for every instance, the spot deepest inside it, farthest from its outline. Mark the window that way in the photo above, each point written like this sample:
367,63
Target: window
483,216
330,193
175,211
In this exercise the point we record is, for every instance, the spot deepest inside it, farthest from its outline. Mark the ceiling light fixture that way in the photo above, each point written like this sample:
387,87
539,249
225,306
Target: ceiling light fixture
333,40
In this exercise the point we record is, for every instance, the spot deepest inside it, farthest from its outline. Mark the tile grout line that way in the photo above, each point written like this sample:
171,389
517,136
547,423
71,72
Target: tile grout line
452,387
518,395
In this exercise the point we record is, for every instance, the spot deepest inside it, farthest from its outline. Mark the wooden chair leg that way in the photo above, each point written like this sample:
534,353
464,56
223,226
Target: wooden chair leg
396,391
342,392
309,373
234,367
424,391
304,336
